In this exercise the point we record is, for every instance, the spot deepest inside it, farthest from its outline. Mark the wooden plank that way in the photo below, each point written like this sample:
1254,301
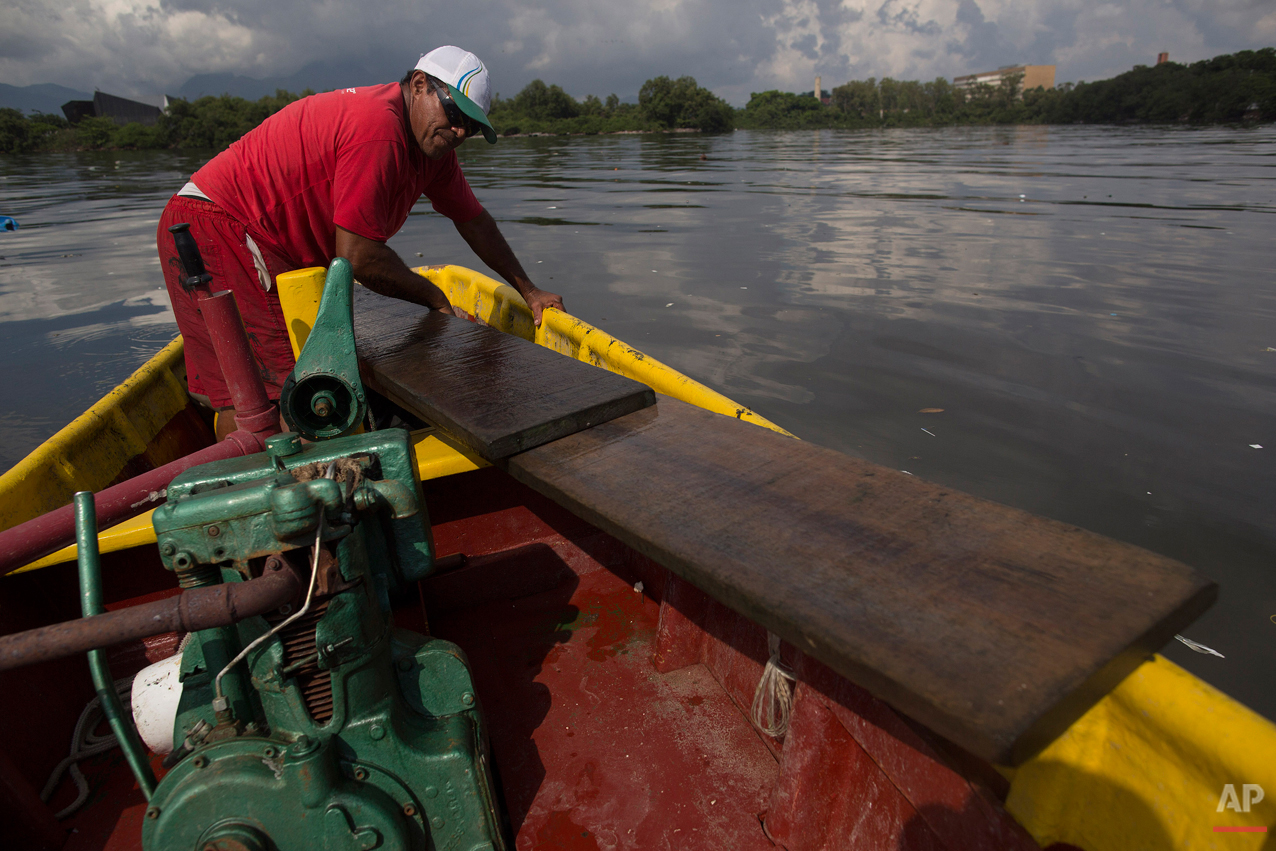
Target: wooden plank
494,392
993,627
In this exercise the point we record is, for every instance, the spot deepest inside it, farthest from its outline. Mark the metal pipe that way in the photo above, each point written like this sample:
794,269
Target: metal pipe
254,411
50,532
196,609
92,608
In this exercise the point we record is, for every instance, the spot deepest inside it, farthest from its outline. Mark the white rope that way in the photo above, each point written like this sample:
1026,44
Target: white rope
86,742
773,698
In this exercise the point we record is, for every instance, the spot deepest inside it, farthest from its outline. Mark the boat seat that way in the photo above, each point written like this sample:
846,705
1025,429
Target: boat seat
995,628
495,393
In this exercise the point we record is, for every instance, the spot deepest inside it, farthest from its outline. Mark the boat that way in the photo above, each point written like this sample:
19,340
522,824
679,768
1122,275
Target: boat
630,698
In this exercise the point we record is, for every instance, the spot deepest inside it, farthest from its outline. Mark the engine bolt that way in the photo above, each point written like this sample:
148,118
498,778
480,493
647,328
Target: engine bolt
437,821
467,699
360,774
270,752
377,732
199,761
409,810
167,550
214,531
153,813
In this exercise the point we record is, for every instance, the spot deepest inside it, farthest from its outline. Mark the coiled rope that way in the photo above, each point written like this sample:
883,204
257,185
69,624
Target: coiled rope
85,742
773,698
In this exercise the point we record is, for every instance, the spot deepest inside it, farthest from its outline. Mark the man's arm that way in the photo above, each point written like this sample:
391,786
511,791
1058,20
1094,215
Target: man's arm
380,269
485,238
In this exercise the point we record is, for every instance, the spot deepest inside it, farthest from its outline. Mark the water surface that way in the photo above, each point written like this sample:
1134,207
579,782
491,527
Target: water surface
1091,308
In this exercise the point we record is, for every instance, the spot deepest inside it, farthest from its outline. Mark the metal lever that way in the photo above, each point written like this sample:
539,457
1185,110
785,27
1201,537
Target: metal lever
197,277
323,396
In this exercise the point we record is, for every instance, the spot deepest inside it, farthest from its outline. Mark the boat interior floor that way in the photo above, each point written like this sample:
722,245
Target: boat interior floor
593,747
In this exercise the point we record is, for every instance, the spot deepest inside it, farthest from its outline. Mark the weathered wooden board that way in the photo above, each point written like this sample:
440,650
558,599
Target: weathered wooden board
994,627
496,393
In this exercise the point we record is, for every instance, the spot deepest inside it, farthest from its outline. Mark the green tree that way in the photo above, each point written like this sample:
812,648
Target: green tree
785,111
542,102
682,103
858,99
139,136
95,133
15,132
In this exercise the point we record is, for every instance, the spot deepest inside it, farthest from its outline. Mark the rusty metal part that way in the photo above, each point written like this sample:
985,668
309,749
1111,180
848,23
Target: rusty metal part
51,532
196,609
301,653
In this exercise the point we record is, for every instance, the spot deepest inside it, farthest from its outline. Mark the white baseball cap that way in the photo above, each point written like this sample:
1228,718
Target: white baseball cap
467,82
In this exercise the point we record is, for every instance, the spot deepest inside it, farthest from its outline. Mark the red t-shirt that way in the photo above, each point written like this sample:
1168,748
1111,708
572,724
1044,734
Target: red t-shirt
339,158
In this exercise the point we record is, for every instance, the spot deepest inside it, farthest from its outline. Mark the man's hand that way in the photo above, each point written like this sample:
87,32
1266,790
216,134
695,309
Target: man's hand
482,235
538,299
377,267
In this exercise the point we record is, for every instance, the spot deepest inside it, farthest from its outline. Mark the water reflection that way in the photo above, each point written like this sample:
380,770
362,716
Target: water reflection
1090,307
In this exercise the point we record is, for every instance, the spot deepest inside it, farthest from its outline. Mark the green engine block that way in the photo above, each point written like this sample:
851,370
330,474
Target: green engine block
321,725
339,731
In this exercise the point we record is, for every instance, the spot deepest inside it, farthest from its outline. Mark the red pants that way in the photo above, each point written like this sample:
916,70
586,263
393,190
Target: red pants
223,243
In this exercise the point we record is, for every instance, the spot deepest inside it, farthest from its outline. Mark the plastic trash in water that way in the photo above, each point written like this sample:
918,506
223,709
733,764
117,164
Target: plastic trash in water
1200,648
8,223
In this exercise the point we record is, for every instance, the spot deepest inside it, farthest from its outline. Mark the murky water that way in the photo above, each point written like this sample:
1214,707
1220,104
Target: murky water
1092,308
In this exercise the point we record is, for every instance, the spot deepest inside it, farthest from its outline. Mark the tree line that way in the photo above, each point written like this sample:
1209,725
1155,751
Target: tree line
208,122
1226,89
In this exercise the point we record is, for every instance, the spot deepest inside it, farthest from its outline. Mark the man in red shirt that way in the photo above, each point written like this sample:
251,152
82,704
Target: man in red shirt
334,175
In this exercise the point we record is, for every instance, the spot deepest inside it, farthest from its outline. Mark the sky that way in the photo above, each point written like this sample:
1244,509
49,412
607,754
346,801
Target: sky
733,47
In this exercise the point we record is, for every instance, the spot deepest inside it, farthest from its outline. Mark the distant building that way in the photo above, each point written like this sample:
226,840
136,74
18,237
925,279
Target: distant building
1033,76
118,109
1162,58
824,96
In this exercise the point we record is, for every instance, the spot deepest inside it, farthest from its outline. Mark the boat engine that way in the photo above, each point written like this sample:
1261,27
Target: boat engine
319,725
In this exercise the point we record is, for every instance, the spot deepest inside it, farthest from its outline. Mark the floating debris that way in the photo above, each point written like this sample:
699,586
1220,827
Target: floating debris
1256,446
1200,648
931,411
931,433
8,223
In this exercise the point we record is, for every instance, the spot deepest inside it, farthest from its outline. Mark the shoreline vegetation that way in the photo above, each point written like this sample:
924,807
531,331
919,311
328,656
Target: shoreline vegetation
1231,89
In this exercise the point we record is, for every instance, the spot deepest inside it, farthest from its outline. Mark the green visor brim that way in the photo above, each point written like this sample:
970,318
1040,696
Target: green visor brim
471,109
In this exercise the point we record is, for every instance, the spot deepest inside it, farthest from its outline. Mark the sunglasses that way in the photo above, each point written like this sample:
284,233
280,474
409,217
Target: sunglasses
455,117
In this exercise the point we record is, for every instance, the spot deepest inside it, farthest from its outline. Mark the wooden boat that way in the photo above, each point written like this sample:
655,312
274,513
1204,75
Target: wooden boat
620,678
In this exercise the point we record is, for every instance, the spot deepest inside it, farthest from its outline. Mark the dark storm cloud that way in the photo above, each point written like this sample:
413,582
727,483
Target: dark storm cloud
896,16
590,47
980,37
